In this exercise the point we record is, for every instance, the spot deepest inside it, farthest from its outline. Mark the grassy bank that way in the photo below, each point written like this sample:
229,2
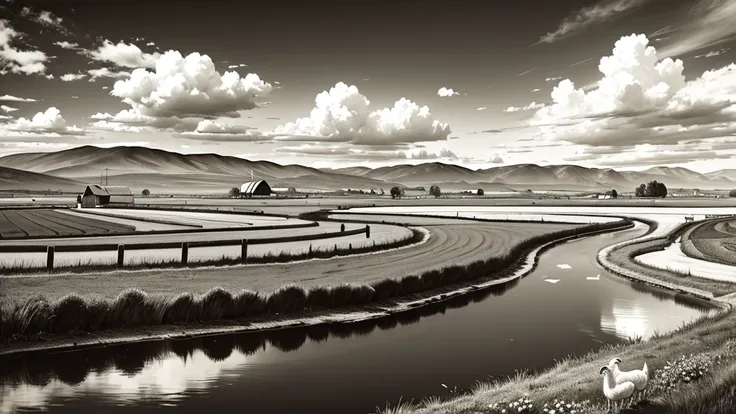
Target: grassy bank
701,382
135,308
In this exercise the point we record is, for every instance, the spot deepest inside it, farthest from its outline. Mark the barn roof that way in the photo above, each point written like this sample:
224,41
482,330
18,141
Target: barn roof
251,186
97,190
117,190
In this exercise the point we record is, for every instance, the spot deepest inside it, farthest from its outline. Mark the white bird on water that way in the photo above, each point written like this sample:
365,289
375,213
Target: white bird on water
640,377
615,393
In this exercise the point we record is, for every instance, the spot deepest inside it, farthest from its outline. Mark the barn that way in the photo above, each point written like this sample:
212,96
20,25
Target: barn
255,188
99,195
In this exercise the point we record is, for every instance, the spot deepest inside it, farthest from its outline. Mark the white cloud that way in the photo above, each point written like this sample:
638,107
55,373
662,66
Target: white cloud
27,62
49,76
242,65
100,115
104,125
713,53
150,44
553,79
44,18
7,109
482,108
444,92
588,16
423,154
641,99
11,98
106,73
67,45
49,123
211,127
536,90
532,106
125,55
72,77
711,24
342,115
189,86
496,159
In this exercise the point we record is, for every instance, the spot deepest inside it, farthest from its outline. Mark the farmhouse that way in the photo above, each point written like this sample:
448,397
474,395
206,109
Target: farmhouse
255,188
98,195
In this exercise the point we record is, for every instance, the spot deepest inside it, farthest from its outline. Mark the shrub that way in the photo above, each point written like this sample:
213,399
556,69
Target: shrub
129,307
732,193
431,279
70,313
288,298
215,304
480,192
683,370
410,284
347,294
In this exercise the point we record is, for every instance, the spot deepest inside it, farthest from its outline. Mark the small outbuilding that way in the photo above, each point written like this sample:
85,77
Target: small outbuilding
97,195
255,188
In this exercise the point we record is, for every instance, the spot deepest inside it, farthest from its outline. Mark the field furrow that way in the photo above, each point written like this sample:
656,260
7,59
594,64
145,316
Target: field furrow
60,229
8,229
31,228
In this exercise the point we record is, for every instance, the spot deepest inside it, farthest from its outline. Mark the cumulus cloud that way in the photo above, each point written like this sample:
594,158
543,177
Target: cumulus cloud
106,73
49,76
423,154
444,92
49,123
12,59
601,12
496,159
72,77
104,125
7,109
124,55
532,106
67,45
711,24
189,87
11,98
641,99
342,114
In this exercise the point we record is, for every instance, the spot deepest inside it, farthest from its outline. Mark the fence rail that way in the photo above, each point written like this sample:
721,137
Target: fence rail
51,250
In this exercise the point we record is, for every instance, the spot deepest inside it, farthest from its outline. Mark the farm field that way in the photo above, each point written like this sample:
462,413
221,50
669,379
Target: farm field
554,218
449,243
22,223
673,258
713,241
191,218
139,225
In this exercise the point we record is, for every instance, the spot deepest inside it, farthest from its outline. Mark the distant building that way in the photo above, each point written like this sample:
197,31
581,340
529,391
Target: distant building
255,188
98,195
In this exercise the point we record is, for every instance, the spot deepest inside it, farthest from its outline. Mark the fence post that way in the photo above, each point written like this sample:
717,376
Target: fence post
367,231
184,252
121,255
309,253
244,251
350,247
50,257
342,227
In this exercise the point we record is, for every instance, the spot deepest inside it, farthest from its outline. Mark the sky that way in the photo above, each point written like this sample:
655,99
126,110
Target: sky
625,84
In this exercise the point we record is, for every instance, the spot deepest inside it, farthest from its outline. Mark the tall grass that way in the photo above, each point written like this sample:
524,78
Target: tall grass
134,307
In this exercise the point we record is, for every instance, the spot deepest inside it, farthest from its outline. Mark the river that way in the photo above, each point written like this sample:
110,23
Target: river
553,312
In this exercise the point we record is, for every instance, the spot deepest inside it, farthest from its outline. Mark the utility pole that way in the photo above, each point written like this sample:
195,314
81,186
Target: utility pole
251,175
106,176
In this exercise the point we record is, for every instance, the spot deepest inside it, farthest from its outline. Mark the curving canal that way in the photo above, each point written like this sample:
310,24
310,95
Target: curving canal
555,311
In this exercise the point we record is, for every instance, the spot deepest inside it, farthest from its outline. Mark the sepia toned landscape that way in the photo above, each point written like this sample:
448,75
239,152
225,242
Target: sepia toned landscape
251,207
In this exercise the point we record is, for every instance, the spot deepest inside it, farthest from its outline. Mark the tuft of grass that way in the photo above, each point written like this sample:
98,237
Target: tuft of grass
410,285
99,314
289,298
248,303
182,309
386,288
129,308
70,313
215,304
319,297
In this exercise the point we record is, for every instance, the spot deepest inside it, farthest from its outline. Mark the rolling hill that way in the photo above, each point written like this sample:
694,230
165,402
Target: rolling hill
13,179
164,171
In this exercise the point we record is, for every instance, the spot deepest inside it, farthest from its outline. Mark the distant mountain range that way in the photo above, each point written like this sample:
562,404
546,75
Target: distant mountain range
164,171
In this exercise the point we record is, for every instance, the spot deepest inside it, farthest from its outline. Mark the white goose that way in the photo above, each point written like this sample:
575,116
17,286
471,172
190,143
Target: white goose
615,393
640,377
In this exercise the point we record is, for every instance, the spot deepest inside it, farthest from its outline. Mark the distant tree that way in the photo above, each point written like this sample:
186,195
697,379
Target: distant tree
145,193
614,193
382,192
435,191
732,193
641,190
480,192
396,192
234,192
79,198
373,191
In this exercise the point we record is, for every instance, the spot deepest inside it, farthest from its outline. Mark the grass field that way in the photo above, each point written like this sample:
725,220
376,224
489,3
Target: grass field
41,222
714,241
